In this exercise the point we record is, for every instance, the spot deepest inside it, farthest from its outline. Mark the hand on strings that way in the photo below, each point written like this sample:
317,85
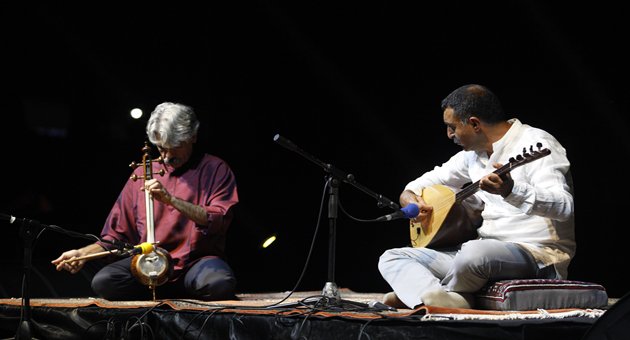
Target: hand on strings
157,191
495,184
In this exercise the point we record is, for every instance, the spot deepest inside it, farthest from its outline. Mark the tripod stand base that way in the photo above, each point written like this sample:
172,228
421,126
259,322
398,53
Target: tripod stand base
24,331
331,291
331,298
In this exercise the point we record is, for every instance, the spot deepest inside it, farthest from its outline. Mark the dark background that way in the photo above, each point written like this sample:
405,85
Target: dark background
355,84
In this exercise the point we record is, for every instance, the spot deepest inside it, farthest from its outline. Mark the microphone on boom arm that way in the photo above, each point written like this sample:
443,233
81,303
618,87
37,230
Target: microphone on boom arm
410,211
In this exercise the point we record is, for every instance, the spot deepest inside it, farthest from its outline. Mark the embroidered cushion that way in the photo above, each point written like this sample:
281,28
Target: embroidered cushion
532,294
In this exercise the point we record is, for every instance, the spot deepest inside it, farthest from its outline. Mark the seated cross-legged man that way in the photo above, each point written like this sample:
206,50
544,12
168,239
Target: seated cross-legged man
527,228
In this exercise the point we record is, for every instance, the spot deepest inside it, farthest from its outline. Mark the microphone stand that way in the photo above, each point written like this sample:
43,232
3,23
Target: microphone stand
334,177
28,230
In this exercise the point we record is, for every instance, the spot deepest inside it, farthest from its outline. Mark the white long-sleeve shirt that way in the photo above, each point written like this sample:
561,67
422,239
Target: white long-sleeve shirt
538,213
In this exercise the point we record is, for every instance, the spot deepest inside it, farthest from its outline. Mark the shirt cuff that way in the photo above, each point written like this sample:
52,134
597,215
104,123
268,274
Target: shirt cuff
521,197
415,190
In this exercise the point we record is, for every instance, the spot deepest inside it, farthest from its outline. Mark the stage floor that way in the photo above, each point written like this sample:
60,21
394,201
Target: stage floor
301,315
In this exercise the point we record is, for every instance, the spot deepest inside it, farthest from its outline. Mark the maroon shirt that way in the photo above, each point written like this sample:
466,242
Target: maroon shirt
204,180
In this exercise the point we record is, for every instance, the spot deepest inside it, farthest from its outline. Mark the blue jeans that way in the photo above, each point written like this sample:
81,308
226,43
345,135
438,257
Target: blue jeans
411,272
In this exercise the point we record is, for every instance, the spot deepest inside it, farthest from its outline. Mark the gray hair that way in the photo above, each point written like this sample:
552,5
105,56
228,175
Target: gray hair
171,124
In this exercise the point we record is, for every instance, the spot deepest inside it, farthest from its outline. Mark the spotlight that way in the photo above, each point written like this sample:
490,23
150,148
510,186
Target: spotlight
136,113
268,241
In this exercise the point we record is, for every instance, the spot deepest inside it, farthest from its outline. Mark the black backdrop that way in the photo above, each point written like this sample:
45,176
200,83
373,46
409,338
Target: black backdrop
355,84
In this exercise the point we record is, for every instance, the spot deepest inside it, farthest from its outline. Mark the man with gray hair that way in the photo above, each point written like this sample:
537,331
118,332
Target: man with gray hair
192,213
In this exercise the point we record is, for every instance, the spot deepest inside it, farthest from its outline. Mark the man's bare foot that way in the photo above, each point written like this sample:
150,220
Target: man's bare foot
442,298
392,300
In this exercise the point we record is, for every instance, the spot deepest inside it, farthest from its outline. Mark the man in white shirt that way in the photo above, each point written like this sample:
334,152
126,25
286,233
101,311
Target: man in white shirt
527,229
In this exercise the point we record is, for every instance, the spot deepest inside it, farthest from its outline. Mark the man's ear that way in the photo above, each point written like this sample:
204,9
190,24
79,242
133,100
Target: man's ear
475,123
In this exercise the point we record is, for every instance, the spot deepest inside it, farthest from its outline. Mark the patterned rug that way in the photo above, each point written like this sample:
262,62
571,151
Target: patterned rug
350,305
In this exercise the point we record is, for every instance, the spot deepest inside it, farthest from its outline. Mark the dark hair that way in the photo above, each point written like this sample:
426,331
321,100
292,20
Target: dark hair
474,100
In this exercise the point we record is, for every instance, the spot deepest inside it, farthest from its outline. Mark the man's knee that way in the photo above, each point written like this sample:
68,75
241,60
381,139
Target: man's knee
219,287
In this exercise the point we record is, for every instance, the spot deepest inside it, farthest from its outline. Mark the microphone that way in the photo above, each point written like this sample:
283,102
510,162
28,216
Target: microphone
380,306
12,219
410,211
8,218
142,248
285,142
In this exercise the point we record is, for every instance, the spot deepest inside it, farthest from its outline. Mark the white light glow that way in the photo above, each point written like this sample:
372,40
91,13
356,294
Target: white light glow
136,113
269,241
